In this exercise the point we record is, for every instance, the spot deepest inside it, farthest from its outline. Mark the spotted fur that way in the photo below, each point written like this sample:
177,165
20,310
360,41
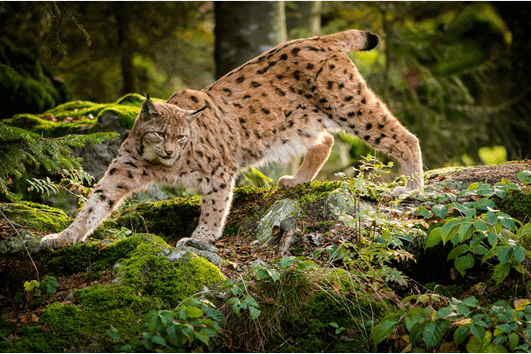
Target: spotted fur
280,104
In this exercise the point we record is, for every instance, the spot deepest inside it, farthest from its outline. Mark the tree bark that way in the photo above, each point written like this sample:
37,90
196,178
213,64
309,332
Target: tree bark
517,16
243,31
123,19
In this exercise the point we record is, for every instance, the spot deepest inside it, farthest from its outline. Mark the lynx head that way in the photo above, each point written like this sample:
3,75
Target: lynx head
164,131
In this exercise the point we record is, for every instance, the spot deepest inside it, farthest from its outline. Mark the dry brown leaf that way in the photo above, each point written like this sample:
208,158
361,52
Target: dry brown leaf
336,287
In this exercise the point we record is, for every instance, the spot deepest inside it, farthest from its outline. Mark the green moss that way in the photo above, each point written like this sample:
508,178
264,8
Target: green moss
33,339
35,216
517,203
101,307
350,308
170,219
151,273
47,129
147,280
127,108
78,257
127,114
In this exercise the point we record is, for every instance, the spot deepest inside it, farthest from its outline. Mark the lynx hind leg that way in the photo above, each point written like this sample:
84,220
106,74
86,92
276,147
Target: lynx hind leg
387,134
313,161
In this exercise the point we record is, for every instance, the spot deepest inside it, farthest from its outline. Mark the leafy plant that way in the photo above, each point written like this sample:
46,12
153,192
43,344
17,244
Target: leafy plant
496,328
480,230
72,181
48,286
191,326
19,147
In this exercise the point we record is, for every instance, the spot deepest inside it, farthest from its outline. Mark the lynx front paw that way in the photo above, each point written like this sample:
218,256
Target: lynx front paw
55,241
287,182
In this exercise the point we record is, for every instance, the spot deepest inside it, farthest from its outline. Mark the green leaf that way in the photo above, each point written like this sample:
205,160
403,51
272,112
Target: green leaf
443,312
519,254
477,331
113,333
448,230
194,312
481,225
463,263
216,315
251,301
254,312
158,340
383,329
286,262
505,254
484,203
506,221
491,217
501,271
434,238
474,345
465,231
480,250
422,211
172,335
440,210
457,251
433,333
492,238
261,274
460,334
203,337
523,175
513,341
274,274
470,302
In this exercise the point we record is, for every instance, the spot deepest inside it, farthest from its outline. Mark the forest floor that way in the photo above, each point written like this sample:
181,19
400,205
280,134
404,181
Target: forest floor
239,251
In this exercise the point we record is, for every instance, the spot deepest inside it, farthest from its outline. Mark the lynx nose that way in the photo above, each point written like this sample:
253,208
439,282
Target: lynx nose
169,152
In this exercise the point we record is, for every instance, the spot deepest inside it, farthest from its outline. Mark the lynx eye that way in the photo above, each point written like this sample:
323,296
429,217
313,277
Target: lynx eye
162,135
181,137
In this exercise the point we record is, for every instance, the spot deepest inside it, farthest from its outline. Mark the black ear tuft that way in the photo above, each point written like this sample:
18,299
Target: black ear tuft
148,109
147,97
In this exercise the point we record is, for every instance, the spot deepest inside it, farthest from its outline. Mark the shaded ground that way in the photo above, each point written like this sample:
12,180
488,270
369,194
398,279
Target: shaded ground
239,250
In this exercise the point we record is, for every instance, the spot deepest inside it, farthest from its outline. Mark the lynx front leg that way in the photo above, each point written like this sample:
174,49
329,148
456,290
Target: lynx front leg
313,161
215,205
118,181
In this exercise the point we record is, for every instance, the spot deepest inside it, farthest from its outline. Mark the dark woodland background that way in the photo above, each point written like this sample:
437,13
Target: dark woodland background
455,73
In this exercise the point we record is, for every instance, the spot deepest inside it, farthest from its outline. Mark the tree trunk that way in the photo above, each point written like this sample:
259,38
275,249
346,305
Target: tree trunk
123,19
243,31
517,16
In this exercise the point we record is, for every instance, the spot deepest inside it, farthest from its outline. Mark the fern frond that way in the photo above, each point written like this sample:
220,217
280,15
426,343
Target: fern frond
19,148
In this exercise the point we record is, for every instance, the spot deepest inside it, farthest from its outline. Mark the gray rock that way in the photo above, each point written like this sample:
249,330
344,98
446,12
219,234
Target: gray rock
258,263
176,256
16,244
279,211
96,158
340,202
212,257
202,246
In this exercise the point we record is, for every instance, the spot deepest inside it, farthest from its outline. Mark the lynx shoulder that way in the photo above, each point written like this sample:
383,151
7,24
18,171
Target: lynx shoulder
280,104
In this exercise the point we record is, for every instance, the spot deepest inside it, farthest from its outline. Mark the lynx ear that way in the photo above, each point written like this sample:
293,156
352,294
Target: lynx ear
148,109
191,115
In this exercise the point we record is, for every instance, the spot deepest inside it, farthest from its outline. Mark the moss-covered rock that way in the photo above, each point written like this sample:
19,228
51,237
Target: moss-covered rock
144,280
170,219
35,216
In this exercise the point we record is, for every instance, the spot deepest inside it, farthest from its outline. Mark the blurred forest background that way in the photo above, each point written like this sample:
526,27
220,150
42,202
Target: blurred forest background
457,74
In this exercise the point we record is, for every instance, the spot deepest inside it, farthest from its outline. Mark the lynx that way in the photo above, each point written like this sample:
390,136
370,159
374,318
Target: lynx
280,104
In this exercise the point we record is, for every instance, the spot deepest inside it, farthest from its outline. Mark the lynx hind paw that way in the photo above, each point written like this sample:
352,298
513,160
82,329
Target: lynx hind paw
400,191
55,241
